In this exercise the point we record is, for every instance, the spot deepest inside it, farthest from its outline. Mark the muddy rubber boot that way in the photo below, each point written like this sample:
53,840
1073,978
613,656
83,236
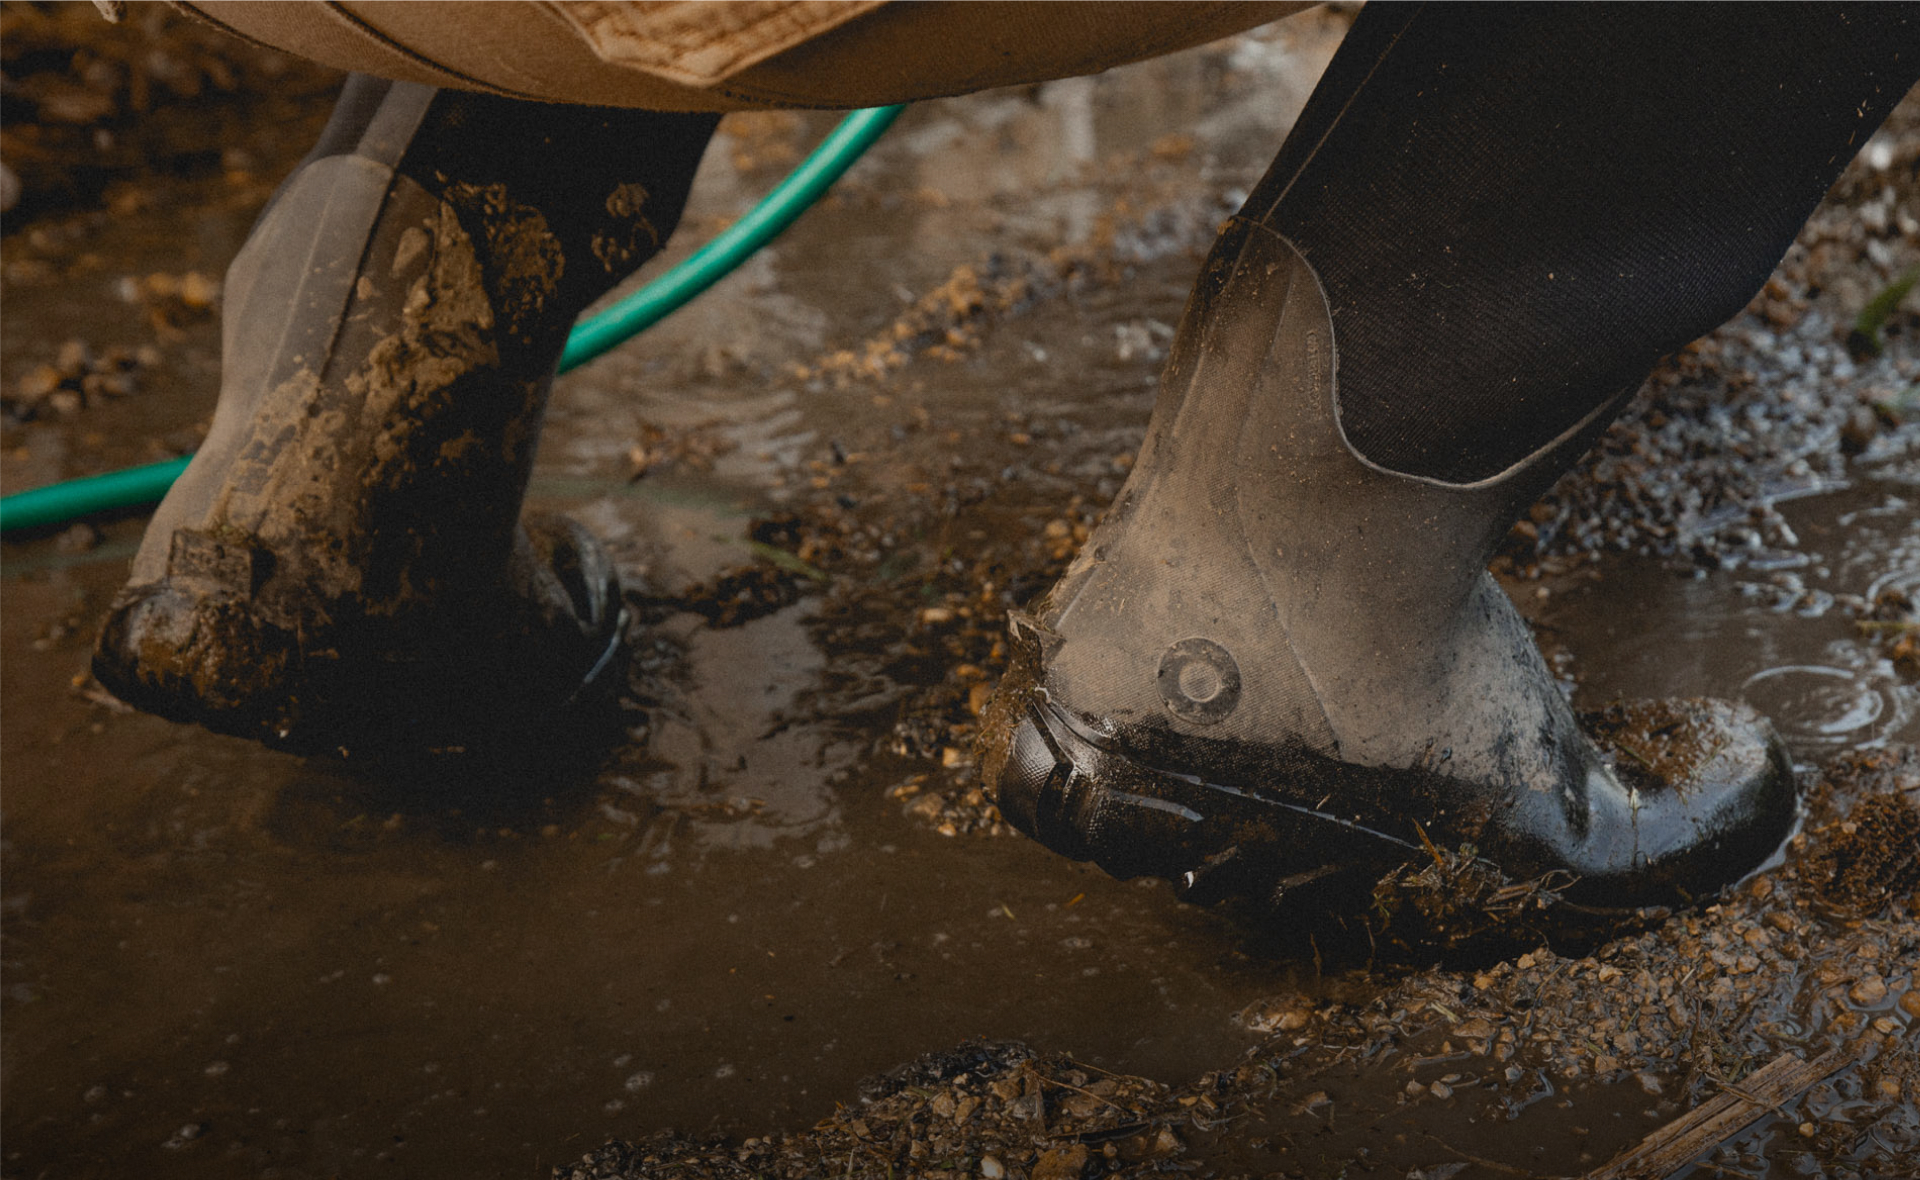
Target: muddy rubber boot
343,566
1274,661
1279,663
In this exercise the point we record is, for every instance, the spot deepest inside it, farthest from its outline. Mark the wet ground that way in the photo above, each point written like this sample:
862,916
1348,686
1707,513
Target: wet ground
825,482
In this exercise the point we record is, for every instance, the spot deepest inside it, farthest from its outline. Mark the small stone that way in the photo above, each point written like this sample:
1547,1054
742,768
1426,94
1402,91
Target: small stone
38,382
1440,1090
1869,991
1268,1016
1888,1087
81,538
992,1168
1415,1089
1064,1163
72,356
1807,1130
197,290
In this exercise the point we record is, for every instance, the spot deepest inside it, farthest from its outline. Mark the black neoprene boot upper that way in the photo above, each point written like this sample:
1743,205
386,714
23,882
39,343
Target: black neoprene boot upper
343,565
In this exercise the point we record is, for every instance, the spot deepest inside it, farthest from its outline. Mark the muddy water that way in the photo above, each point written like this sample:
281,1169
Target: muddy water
1780,638
224,961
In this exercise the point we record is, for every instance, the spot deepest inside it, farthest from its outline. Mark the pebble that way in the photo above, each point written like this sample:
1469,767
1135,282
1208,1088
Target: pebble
1869,991
185,1135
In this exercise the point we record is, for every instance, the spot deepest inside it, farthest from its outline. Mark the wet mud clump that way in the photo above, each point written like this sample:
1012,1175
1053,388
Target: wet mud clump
1870,858
1454,902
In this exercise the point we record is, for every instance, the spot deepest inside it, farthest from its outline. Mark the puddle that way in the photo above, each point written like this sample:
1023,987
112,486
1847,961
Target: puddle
1784,641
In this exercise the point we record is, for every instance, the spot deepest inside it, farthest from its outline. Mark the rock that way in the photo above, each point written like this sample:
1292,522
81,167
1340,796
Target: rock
81,538
197,290
1869,991
1276,1015
38,382
1061,1163
1475,1029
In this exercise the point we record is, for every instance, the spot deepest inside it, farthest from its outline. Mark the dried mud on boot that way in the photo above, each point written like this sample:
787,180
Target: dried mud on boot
1455,906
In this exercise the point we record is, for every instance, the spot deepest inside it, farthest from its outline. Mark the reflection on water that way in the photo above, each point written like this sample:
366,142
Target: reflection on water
1787,642
1815,704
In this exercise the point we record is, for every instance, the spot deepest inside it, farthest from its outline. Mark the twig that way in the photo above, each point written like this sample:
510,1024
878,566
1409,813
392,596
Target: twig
1723,1116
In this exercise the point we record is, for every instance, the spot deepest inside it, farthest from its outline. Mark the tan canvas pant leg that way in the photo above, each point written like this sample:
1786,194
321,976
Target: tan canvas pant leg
730,56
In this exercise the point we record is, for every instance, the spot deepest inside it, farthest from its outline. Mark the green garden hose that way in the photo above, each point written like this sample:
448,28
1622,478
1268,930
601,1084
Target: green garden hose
75,498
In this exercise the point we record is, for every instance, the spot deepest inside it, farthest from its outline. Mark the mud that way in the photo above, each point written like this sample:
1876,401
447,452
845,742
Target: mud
777,930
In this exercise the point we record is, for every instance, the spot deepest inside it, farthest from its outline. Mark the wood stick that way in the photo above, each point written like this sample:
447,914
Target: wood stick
1721,1117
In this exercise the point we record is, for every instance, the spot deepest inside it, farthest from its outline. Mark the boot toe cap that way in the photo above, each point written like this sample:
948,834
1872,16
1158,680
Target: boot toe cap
195,657
1700,793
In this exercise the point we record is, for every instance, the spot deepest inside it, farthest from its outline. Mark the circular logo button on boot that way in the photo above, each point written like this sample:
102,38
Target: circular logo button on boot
1199,681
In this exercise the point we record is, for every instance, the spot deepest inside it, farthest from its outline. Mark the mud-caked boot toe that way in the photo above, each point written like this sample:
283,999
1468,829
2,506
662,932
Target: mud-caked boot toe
344,565
195,648
1276,662
190,648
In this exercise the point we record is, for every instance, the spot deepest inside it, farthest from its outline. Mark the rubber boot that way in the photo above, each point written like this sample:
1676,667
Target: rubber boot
1274,660
343,567
1279,664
